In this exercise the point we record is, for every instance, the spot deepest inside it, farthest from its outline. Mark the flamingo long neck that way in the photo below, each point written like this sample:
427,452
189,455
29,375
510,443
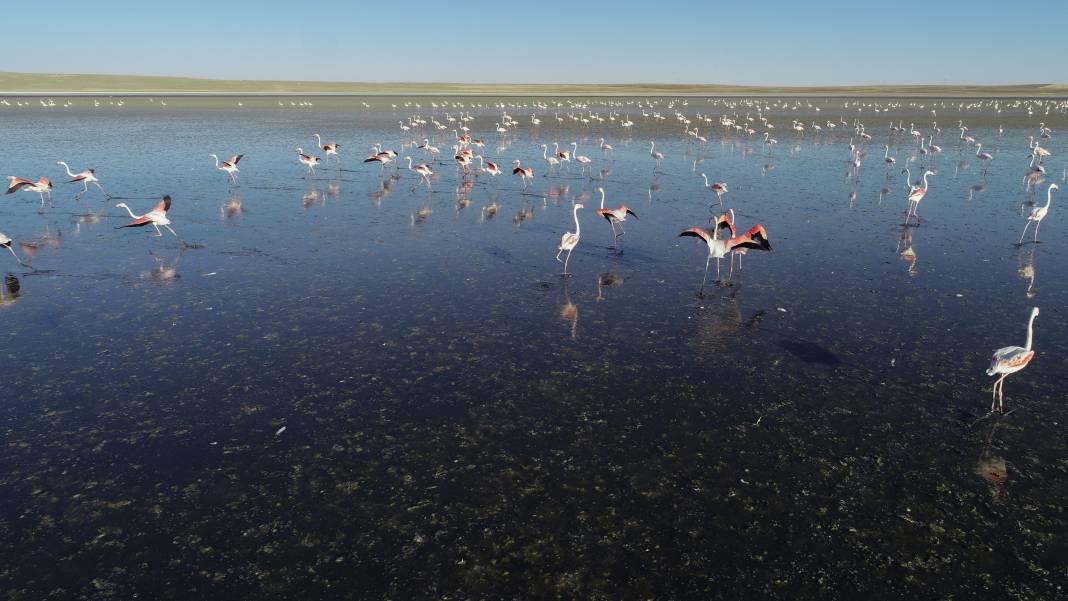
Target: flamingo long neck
1030,331
1049,196
123,205
216,161
706,179
67,168
409,162
318,140
602,198
887,153
545,152
578,229
925,173
480,163
978,149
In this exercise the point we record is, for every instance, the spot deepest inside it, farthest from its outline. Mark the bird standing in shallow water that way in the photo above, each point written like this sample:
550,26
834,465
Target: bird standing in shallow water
1038,214
1009,360
570,240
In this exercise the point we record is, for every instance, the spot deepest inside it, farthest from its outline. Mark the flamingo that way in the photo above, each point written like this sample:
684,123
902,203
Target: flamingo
463,159
488,166
230,166
570,240
983,156
41,186
156,217
551,161
308,160
527,173
330,148
718,248
1009,360
432,150
424,171
85,177
614,216
606,148
890,161
769,141
916,194
720,188
582,159
657,156
5,241
1038,214
563,155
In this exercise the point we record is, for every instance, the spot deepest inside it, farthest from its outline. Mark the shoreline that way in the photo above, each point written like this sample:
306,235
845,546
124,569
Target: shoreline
37,85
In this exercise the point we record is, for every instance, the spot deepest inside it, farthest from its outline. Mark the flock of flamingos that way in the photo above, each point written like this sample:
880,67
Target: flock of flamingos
721,237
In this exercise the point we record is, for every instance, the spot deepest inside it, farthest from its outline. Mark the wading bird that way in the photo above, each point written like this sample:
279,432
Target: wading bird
583,160
156,217
42,186
230,166
916,194
527,173
330,148
1038,214
422,170
85,177
614,216
551,161
657,156
718,248
1009,360
720,188
307,159
570,240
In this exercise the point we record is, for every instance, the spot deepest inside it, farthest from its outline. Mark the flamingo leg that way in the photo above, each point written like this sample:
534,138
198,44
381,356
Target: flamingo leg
558,253
705,279
158,233
1024,233
16,256
568,258
1001,394
85,186
1037,224
97,184
170,230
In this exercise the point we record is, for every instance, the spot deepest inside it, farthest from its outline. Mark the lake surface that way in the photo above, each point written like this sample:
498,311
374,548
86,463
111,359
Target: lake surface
461,422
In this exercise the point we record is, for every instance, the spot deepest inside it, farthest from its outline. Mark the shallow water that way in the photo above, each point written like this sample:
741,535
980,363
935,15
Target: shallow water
461,422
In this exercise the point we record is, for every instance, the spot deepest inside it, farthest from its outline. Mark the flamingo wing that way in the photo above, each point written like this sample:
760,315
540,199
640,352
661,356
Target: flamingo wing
163,206
699,233
234,159
17,183
140,221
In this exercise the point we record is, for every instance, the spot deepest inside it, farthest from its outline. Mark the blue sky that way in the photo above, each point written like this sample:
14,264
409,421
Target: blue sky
662,41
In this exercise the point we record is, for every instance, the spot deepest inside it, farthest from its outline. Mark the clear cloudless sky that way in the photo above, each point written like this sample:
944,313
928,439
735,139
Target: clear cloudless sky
768,42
